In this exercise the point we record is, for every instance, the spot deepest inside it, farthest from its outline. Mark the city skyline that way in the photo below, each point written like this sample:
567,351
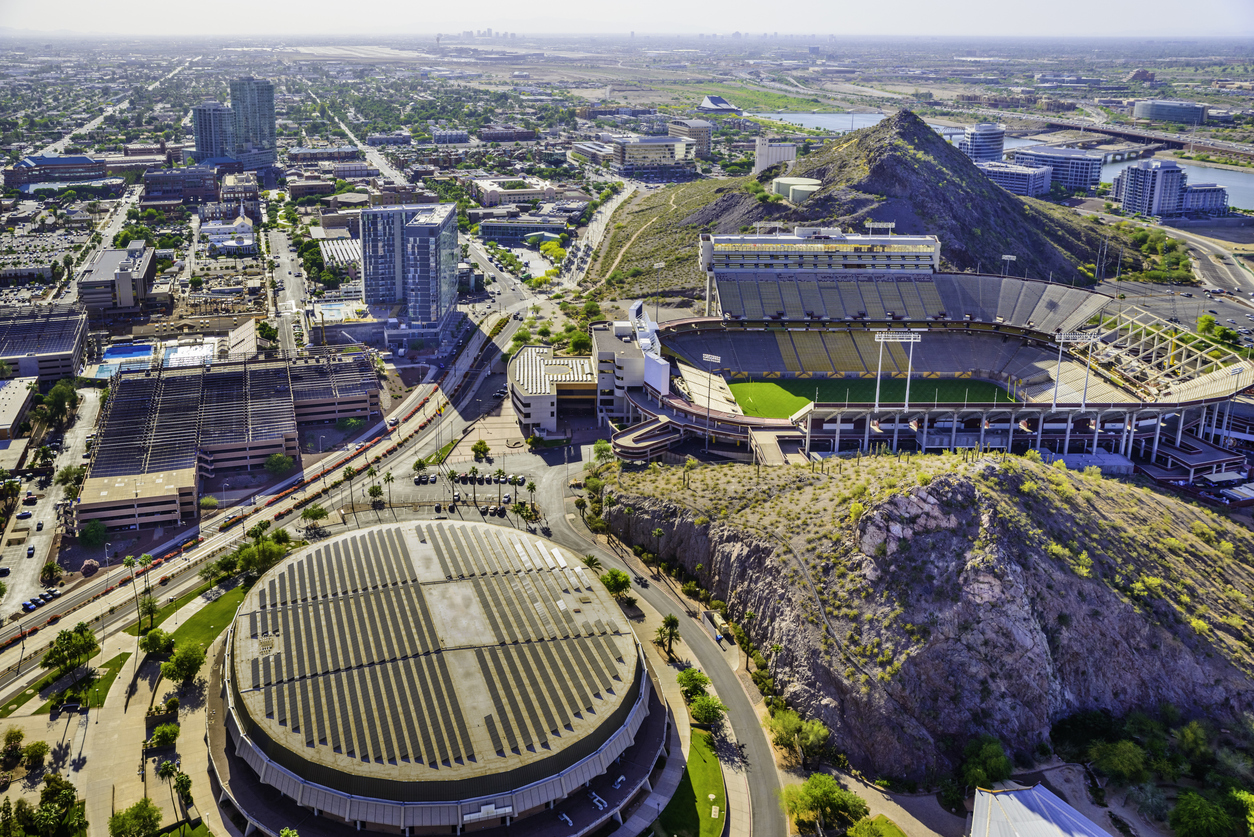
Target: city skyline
976,18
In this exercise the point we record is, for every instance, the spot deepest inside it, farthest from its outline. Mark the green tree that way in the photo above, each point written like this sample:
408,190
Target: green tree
156,641
93,534
581,505
985,762
148,607
822,798
580,343
602,450
706,709
34,753
71,648
184,665
278,464
692,682
785,728
813,738
1196,816
375,492
1122,761
183,787
531,493
867,827
50,574
165,734
667,633
616,582
480,449
420,465
142,819
313,515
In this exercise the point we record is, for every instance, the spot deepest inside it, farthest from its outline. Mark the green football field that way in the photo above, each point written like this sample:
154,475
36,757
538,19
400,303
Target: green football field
785,396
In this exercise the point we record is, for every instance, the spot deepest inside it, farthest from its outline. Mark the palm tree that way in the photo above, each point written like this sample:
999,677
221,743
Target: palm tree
387,480
592,562
474,492
531,489
499,476
167,771
349,473
129,563
372,472
668,632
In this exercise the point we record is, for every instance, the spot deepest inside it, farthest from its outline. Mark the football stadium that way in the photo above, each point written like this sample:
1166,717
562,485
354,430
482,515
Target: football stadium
433,678
818,342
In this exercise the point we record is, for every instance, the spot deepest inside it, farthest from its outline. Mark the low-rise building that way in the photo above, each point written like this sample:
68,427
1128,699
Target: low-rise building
449,136
1028,181
591,151
318,155
1072,169
619,367
175,187
516,229
393,138
540,384
495,191
242,191
505,133
53,169
15,399
118,279
230,237
298,189
356,170
698,130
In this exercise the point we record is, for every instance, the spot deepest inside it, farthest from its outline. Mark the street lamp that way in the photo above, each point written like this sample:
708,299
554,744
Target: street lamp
107,553
709,387
225,486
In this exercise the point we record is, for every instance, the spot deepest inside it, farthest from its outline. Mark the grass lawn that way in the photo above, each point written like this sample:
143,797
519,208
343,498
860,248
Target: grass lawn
203,627
86,690
442,454
202,830
168,609
688,814
781,398
890,828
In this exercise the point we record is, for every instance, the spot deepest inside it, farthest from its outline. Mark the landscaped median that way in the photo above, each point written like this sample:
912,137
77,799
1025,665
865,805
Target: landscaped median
692,812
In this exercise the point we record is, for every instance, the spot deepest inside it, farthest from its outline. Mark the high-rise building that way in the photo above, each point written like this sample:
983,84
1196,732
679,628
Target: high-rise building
1028,181
984,142
697,130
1169,110
1151,187
213,127
252,100
409,255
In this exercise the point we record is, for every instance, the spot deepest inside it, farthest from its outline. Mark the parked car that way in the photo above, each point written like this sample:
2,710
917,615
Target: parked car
22,515
39,527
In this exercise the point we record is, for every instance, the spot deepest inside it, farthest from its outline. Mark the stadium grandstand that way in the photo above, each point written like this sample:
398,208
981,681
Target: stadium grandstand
166,427
927,360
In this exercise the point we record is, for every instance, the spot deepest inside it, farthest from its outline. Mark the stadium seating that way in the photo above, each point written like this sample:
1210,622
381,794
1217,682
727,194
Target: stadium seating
812,352
788,351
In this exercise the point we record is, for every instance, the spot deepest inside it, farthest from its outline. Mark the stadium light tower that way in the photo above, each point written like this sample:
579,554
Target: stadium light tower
709,389
895,336
657,288
1005,264
1062,339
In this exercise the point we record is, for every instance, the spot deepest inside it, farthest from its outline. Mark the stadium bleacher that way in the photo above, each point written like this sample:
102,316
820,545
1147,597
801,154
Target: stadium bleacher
989,299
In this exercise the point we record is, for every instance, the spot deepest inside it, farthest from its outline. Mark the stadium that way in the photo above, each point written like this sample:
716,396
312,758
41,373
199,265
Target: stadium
819,353
431,678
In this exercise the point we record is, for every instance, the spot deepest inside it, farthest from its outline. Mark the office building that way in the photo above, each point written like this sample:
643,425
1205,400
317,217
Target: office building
1205,199
591,151
516,229
1168,110
1028,181
655,158
394,138
213,127
353,170
252,102
409,255
1151,187
505,133
43,341
697,130
318,155
983,142
167,188
1072,169
118,279
540,384
767,153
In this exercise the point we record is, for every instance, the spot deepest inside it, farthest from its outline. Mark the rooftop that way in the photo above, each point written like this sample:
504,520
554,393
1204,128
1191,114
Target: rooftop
537,372
40,330
431,662
1028,812
15,395
1053,151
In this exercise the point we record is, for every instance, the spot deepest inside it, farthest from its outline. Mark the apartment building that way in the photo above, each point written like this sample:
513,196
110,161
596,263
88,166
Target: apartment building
505,133
1151,187
409,254
449,136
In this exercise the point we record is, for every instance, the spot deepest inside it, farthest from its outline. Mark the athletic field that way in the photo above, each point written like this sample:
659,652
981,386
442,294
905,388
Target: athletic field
785,396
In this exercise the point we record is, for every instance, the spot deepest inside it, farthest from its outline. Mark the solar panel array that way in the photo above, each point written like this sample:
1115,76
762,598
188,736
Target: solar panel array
768,295
346,649
40,329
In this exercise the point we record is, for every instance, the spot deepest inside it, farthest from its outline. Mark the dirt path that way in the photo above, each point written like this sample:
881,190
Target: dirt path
630,242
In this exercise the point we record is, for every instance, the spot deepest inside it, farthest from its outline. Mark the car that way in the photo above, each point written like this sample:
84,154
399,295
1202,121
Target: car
500,512
38,602
434,478
482,478
4,571
483,510
1211,311
30,551
56,594
27,606
491,510
506,497
39,527
437,508
457,496
46,596
22,515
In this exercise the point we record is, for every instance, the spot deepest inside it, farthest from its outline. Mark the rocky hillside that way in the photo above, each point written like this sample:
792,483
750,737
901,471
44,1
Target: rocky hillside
899,170
914,603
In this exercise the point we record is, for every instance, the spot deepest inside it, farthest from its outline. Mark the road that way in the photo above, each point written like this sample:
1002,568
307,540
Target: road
595,233
290,301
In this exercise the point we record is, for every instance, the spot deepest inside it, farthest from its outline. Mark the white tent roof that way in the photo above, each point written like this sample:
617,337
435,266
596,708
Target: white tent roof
1028,812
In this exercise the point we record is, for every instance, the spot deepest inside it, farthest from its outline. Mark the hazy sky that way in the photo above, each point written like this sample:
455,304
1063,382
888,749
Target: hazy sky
1133,18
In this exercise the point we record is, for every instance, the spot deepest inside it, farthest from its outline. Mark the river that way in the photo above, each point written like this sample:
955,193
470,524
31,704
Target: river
1240,184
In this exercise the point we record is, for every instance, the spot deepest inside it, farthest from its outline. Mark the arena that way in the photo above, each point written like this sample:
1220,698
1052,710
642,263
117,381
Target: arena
794,363
436,677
